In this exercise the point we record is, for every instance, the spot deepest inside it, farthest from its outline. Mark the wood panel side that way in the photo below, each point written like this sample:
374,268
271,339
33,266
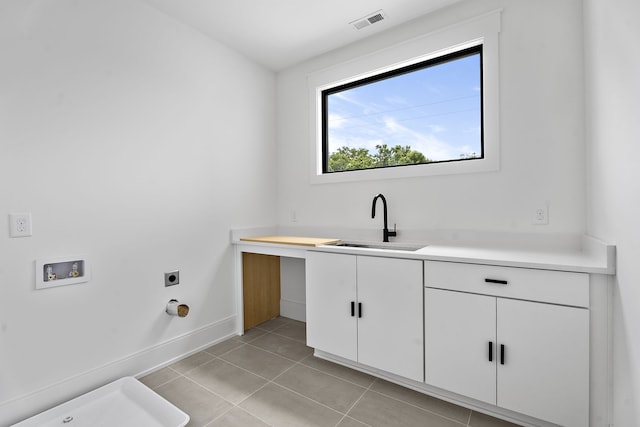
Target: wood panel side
261,288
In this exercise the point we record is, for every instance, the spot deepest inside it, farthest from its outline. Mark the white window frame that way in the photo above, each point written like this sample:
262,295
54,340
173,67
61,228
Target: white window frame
483,30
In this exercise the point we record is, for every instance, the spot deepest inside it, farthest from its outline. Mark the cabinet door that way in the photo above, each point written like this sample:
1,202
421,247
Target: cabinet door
546,367
458,330
390,329
331,289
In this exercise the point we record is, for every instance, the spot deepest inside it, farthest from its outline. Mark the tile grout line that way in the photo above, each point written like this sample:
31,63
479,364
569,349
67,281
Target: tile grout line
299,362
180,374
276,354
355,419
308,398
288,389
295,363
289,338
335,375
276,328
355,403
240,409
240,344
369,388
219,416
268,381
416,406
184,374
163,384
233,405
209,390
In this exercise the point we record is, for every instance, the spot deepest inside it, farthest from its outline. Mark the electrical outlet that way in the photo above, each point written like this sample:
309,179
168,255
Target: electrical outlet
20,225
172,278
541,215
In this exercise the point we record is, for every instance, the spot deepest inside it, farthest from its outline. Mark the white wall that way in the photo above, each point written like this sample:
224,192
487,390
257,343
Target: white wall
613,90
139,142
292,288
542,145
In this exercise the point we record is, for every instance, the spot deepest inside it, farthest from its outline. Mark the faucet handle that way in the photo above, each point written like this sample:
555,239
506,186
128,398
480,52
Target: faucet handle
394,232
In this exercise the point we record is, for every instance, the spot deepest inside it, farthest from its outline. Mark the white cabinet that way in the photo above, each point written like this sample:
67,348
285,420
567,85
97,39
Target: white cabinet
390,331
331,296
367,309
458,330
526,356
546,367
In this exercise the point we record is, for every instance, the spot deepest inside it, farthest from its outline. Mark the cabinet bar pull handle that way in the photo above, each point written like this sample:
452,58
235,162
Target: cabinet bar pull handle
490,351
500,282
353,308
502,354
359,309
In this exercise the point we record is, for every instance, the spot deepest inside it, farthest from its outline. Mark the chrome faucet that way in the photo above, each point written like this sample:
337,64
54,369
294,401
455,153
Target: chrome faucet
385,231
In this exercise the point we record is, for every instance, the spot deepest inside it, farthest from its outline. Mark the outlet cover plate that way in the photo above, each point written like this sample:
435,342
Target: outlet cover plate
20,224
541,215
172,278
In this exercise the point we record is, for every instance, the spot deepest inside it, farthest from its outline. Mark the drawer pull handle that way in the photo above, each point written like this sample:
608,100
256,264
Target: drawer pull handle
490,351
353,308
500,282
502,354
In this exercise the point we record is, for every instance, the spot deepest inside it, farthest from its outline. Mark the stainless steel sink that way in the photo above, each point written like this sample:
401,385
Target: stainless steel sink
385,246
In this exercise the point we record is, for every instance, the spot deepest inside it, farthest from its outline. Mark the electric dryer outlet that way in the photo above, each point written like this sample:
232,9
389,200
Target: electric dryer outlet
172,278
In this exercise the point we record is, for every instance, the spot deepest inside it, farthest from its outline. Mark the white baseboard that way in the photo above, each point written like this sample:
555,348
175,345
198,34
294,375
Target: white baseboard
137,364
293,310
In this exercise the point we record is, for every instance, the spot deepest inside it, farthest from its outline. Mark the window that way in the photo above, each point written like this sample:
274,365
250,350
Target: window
422,113
426,106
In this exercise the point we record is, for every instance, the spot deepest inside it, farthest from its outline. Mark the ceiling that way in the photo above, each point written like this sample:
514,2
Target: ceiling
281,33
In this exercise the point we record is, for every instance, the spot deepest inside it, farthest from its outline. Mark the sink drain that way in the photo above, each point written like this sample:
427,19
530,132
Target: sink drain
67,420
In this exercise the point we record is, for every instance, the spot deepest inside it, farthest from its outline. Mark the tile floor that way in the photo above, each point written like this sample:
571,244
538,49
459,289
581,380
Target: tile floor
269,377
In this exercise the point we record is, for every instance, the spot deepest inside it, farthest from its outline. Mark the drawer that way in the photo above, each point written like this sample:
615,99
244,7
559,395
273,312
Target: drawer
557,287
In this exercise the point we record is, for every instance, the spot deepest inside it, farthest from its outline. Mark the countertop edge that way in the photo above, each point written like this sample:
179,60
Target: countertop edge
578,263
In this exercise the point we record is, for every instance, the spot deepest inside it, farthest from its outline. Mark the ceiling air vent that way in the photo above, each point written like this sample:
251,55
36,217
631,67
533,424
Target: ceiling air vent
372,18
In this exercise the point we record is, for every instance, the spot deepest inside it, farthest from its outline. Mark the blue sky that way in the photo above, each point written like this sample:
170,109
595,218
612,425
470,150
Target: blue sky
435,111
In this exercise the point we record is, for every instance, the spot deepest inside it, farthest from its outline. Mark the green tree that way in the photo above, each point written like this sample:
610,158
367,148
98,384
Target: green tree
398,155
345,158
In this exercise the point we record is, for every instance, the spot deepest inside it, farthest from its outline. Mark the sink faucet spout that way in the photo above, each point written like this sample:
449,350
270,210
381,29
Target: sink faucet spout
385,231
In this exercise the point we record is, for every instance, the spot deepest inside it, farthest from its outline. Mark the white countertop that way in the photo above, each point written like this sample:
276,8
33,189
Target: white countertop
592,256
603,263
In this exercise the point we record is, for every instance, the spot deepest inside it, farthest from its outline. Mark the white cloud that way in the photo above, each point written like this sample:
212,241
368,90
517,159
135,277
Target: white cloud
476,130
357,142
396,100
427,144
336,121
349,98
